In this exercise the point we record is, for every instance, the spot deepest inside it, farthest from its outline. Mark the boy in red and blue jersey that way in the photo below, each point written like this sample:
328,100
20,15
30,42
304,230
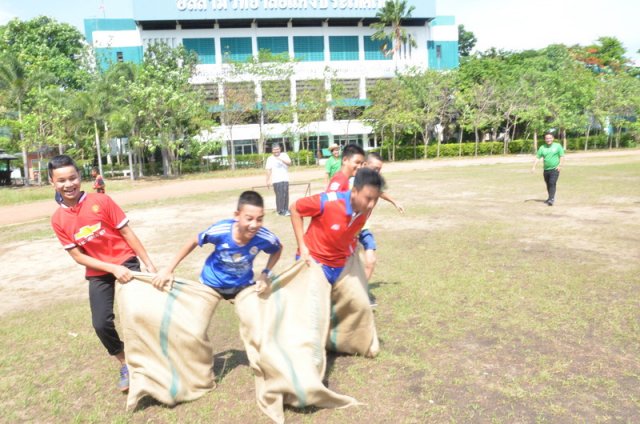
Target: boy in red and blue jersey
336,220
352,160
95,232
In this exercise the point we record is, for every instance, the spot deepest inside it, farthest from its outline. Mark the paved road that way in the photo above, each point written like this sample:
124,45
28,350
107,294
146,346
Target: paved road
20,214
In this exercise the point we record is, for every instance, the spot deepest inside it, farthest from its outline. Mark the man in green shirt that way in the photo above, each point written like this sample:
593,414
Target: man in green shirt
334,163
553,157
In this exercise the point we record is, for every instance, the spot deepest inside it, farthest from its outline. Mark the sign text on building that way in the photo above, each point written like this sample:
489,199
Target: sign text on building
220,5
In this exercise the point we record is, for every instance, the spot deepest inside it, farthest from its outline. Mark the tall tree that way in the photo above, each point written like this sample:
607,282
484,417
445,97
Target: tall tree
173,108
466,41
44,45
389,27
14,86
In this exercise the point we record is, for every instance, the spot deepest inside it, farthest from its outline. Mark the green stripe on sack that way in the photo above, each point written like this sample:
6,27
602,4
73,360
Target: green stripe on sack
333,336
164,337
301,395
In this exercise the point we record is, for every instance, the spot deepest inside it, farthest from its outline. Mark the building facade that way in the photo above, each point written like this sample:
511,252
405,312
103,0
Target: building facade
328,42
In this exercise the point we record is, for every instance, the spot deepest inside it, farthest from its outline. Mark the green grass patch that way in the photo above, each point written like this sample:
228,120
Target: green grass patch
493,307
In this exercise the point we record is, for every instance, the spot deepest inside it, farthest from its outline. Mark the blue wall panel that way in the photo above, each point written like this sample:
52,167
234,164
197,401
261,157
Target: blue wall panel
443,54
109,56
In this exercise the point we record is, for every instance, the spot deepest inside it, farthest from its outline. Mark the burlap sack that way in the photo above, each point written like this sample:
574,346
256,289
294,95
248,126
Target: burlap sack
167,348
353,329
286,330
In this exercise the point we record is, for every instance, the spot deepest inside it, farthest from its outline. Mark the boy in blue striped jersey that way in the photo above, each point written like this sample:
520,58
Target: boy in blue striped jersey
229,268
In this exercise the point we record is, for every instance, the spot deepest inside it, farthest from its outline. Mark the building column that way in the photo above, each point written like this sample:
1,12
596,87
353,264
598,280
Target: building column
254,39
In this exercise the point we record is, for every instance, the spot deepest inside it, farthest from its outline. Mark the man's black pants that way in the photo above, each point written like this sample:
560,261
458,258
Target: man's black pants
551,178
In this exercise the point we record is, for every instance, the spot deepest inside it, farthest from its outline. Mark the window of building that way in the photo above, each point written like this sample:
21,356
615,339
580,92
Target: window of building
119,57
284,142
373,49
203,47
245,147
439,51
235,49
343,140
275,45
345,89
343,47
314,143
309,49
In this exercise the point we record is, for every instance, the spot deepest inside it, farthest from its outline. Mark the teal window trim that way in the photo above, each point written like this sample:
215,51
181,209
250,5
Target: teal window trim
203,47
373,49
351,102
235,49
343,47
275,45
309,48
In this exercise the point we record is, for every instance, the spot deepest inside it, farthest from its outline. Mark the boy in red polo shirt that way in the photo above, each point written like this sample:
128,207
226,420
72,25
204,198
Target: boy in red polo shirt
336,220
96,233
352,160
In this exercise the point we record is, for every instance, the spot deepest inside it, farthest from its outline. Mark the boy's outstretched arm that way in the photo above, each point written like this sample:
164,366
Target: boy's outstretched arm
297,222
137,246
261,281
165,275
388,198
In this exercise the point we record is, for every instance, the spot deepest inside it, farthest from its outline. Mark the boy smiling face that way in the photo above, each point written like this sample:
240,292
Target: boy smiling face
249,219
66,181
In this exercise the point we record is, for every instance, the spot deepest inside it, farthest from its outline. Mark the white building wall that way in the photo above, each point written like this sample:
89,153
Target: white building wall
106,39
360,69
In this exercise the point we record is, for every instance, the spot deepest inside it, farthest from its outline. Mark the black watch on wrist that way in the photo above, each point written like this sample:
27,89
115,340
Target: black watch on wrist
268,272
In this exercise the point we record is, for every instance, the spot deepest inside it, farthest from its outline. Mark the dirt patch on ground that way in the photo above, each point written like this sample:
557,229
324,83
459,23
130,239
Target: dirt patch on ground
37,272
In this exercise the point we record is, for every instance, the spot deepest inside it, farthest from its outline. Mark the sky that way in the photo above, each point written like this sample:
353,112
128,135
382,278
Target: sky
504,24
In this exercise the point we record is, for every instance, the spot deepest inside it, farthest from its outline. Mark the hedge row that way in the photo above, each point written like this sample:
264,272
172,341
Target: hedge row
497,147
307,158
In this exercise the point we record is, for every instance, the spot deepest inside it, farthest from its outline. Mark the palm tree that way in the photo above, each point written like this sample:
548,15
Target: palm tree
389,26
92,107
14,85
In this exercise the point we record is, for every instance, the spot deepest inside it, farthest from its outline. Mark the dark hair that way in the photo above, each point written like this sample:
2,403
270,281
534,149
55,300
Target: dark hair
61,161
374,155
351,150
274,145
250,197
550,132
95,168
368,177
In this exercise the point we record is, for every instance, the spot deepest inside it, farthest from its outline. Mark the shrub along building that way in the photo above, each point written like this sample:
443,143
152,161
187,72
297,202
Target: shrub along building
295,71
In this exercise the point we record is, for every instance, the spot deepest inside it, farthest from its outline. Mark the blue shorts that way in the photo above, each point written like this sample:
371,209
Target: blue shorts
366,239
331,273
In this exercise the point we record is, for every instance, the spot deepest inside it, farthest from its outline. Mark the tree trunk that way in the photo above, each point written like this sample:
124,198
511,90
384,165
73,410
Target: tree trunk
98,153
426,140
586,139
564,139
166,161
232,148
618,132
460,143
130,156
475,131
393,147
25,153
106,138
535,141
